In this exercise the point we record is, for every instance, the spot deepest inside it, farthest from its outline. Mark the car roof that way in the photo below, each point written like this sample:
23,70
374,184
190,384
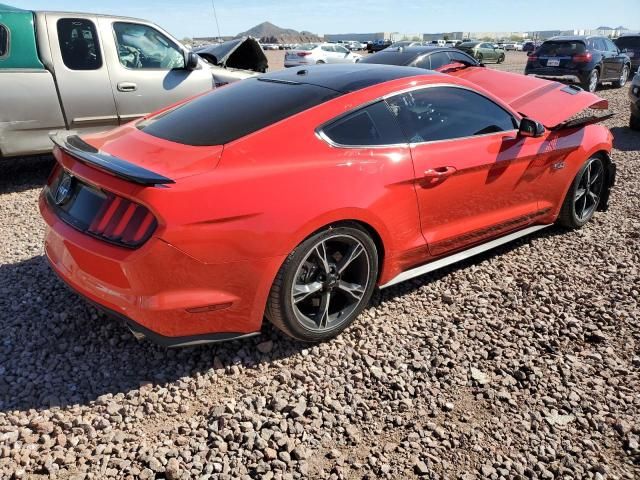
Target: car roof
573,38
344,78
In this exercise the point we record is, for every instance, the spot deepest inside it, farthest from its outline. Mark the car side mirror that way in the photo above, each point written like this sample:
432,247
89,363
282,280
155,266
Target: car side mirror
190,61
530,128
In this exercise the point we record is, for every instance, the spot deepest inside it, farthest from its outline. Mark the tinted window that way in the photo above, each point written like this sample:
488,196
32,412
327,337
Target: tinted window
423,62
561,49
340,49
628,42
327,48
610,45
79,44
4,41
234,111
438,60
140,46
373,125
461,57
600,45
389,58
441,113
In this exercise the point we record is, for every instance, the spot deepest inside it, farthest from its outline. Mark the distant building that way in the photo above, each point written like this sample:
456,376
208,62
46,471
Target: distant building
370,37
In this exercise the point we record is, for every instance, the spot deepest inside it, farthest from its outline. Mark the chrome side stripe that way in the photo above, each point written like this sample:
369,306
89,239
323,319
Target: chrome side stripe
458,257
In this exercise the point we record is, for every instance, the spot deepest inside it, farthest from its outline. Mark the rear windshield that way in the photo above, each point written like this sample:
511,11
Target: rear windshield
307,46
628,42
4,41
234,111
469,44
390,58
557,48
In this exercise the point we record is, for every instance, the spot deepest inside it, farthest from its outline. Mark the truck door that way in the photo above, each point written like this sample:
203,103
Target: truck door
147,68
80,71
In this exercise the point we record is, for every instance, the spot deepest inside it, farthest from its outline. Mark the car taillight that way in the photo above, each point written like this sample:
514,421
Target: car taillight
303,54
532,58
122,221
582,57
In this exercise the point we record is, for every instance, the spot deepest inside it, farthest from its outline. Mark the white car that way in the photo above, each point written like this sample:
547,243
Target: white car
315,53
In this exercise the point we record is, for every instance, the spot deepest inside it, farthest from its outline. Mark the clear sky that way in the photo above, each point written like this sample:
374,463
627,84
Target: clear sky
188,18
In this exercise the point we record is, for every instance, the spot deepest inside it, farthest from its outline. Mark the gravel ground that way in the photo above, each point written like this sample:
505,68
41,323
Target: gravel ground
522,363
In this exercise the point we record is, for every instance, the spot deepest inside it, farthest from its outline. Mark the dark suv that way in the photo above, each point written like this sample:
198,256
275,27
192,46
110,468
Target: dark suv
630,45
588,61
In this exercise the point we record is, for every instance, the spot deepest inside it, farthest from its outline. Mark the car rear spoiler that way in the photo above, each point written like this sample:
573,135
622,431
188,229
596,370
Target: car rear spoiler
583,121
82,151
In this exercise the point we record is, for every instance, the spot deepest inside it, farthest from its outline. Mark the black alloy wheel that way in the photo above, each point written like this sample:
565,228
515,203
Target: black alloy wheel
584,195
324,284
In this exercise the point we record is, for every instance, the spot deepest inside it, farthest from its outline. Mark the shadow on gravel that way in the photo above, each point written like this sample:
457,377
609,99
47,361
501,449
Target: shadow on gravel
625,139
24,173
55,350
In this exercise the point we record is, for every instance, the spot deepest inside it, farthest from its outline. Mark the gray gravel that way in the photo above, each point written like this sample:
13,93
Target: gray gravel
520,364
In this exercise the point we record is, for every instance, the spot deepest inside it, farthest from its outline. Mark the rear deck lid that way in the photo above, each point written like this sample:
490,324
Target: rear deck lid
550,103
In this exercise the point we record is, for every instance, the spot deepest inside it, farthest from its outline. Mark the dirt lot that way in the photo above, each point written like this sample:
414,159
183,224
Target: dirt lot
522,363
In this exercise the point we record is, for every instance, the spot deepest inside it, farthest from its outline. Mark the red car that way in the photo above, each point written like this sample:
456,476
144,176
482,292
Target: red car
294,194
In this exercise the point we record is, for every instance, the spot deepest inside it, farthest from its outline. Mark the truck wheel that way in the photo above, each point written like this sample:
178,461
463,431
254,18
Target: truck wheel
584,195
324,284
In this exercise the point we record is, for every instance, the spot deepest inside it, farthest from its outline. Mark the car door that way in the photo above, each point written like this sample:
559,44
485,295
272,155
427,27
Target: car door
342,55
471,180
80,68
146,68
616,60
488,53
328,53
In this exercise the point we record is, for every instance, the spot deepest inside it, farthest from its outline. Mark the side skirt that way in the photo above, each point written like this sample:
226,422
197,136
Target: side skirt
463,255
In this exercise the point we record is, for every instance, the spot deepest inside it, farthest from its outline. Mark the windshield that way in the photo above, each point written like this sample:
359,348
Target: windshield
562,49
628,42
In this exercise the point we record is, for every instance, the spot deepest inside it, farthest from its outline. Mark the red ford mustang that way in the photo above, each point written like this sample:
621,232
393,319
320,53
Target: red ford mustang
294,194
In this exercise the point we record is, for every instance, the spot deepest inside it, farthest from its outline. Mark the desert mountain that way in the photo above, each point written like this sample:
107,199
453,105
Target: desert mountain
267,32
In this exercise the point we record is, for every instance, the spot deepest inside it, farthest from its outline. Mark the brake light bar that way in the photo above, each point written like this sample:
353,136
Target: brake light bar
582,57
122,221
303,54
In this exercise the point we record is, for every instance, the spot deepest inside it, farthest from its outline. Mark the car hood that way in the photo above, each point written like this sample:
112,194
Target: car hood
242,53
131,154
550,103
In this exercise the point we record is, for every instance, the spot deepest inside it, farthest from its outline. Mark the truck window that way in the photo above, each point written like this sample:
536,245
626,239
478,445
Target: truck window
143,47
79,44
4,41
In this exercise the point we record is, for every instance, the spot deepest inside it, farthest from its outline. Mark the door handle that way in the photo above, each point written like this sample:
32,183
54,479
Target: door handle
440,172
127,87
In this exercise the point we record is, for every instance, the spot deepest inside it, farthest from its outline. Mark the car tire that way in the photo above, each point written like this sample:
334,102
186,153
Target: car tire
584,195
501,58
324,284
479,57
591,81
634,122
624,76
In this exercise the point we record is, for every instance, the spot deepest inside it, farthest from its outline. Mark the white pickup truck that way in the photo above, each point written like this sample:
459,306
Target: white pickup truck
88,72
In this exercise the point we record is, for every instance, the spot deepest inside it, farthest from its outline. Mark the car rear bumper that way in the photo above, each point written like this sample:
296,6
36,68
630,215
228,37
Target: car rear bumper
160,292
561,75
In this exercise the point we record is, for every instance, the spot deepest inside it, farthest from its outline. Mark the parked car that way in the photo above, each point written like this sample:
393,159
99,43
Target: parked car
88,72
483,51
318,53
629,44
243,53
634,96
512,47
404,44
313,196
429,58
530,46
587,60
378,45
354,45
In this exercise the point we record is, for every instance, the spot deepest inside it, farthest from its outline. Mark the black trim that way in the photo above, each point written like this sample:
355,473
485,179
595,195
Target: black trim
611,170
143,332
78,148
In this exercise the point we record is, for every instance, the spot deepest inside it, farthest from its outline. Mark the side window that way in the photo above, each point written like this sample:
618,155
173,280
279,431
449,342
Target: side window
460,57
600,45
439,59
369,126
341,49
4,41
79,44
442,113
328,48
611,46
423,62
143,47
